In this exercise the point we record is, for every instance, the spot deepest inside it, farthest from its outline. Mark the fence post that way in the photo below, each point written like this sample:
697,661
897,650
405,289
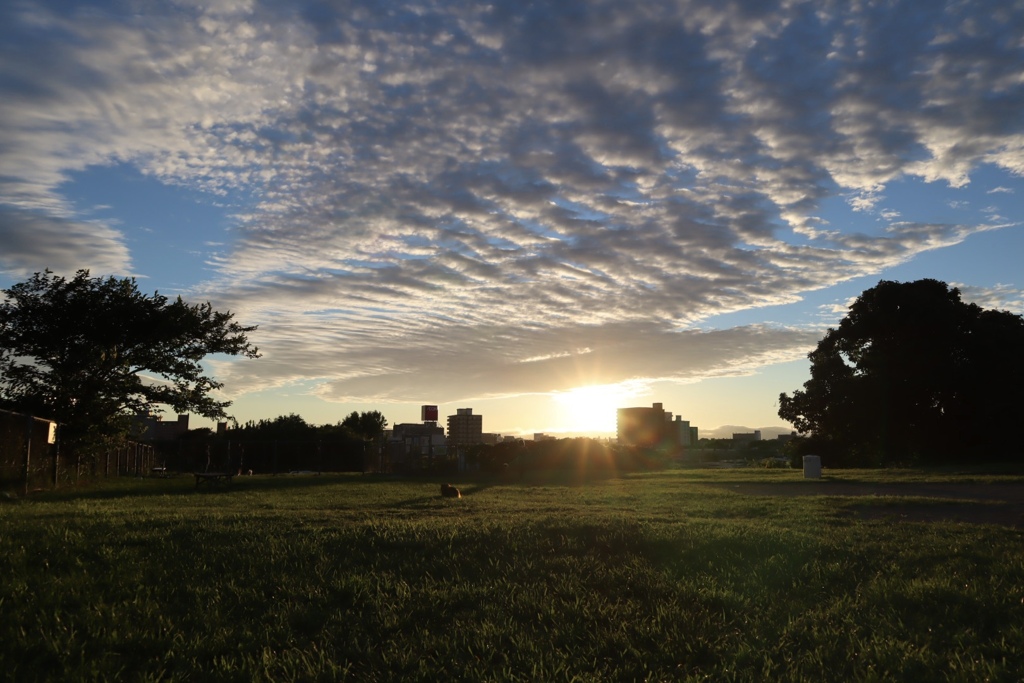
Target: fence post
28,450
56,457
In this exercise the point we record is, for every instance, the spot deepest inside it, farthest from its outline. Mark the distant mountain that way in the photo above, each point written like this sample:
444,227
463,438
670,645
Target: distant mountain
726,431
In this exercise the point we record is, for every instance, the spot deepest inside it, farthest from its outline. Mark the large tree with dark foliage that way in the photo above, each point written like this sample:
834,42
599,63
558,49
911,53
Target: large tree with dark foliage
914,375
88,352
369,425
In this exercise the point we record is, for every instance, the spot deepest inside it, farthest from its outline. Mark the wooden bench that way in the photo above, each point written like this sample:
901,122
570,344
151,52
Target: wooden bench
213,479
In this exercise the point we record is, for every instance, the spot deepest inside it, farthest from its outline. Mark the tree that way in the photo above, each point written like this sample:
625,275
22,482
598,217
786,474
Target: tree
368,425
290,427
913,374
88,352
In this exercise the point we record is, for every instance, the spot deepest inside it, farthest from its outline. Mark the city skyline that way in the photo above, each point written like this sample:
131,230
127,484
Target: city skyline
542,212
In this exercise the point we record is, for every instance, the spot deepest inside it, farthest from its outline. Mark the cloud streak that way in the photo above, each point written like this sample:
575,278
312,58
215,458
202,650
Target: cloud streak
446,190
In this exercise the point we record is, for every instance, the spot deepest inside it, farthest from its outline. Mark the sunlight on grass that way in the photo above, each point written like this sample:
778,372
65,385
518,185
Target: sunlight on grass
670,575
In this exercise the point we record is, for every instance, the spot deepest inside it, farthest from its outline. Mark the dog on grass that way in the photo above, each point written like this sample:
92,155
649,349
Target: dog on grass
449,491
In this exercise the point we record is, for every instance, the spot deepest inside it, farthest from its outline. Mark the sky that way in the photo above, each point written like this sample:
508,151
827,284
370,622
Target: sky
539,210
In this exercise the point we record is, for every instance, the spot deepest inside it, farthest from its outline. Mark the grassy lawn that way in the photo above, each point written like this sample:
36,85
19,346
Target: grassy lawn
673,575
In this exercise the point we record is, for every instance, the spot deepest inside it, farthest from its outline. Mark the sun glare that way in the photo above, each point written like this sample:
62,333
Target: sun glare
593,408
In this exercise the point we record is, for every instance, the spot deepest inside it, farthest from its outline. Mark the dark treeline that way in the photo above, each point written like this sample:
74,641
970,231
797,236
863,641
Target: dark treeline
365,426
283,444
288,444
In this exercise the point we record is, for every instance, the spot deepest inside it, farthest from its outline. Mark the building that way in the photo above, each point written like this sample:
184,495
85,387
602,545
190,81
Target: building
407,445
650,428
683,431
746,437
154,428
465,428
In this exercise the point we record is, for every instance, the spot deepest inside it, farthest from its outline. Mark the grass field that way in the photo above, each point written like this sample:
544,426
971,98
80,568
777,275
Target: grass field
671,575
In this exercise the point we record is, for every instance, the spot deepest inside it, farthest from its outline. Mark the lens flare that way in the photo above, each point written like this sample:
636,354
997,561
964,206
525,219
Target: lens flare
592,409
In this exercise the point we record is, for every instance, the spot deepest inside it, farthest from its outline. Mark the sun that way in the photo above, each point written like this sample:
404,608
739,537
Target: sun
592,408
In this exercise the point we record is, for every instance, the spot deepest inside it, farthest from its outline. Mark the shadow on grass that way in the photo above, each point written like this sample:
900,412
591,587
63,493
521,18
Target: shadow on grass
967,489
184,485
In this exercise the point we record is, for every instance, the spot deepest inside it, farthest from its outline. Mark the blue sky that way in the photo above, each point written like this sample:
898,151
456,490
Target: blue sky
541,211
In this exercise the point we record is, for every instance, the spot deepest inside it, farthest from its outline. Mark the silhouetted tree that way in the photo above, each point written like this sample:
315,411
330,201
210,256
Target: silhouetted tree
913,374
290,427
369,425
74,350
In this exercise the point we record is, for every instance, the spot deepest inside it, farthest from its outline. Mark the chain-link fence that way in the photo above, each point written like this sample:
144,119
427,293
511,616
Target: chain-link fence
27,452
31,458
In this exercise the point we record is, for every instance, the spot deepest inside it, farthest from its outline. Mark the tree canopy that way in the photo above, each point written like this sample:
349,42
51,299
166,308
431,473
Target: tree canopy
913,374
88,352
290,427
368,425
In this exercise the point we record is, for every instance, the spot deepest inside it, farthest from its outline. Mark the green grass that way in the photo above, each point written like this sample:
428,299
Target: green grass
662,576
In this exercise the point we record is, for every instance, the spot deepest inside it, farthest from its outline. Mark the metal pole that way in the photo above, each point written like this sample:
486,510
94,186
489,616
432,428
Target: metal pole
28,450
56,456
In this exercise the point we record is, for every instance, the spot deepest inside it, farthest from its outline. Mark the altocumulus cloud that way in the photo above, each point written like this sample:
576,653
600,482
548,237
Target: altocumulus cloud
60,242
449,189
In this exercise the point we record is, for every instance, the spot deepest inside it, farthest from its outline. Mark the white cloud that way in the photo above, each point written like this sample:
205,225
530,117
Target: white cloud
445,191
999,297
454,364
33,242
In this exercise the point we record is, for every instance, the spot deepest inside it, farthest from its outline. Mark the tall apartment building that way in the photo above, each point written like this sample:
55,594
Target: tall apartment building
654,428
409,441
465,428
684,432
